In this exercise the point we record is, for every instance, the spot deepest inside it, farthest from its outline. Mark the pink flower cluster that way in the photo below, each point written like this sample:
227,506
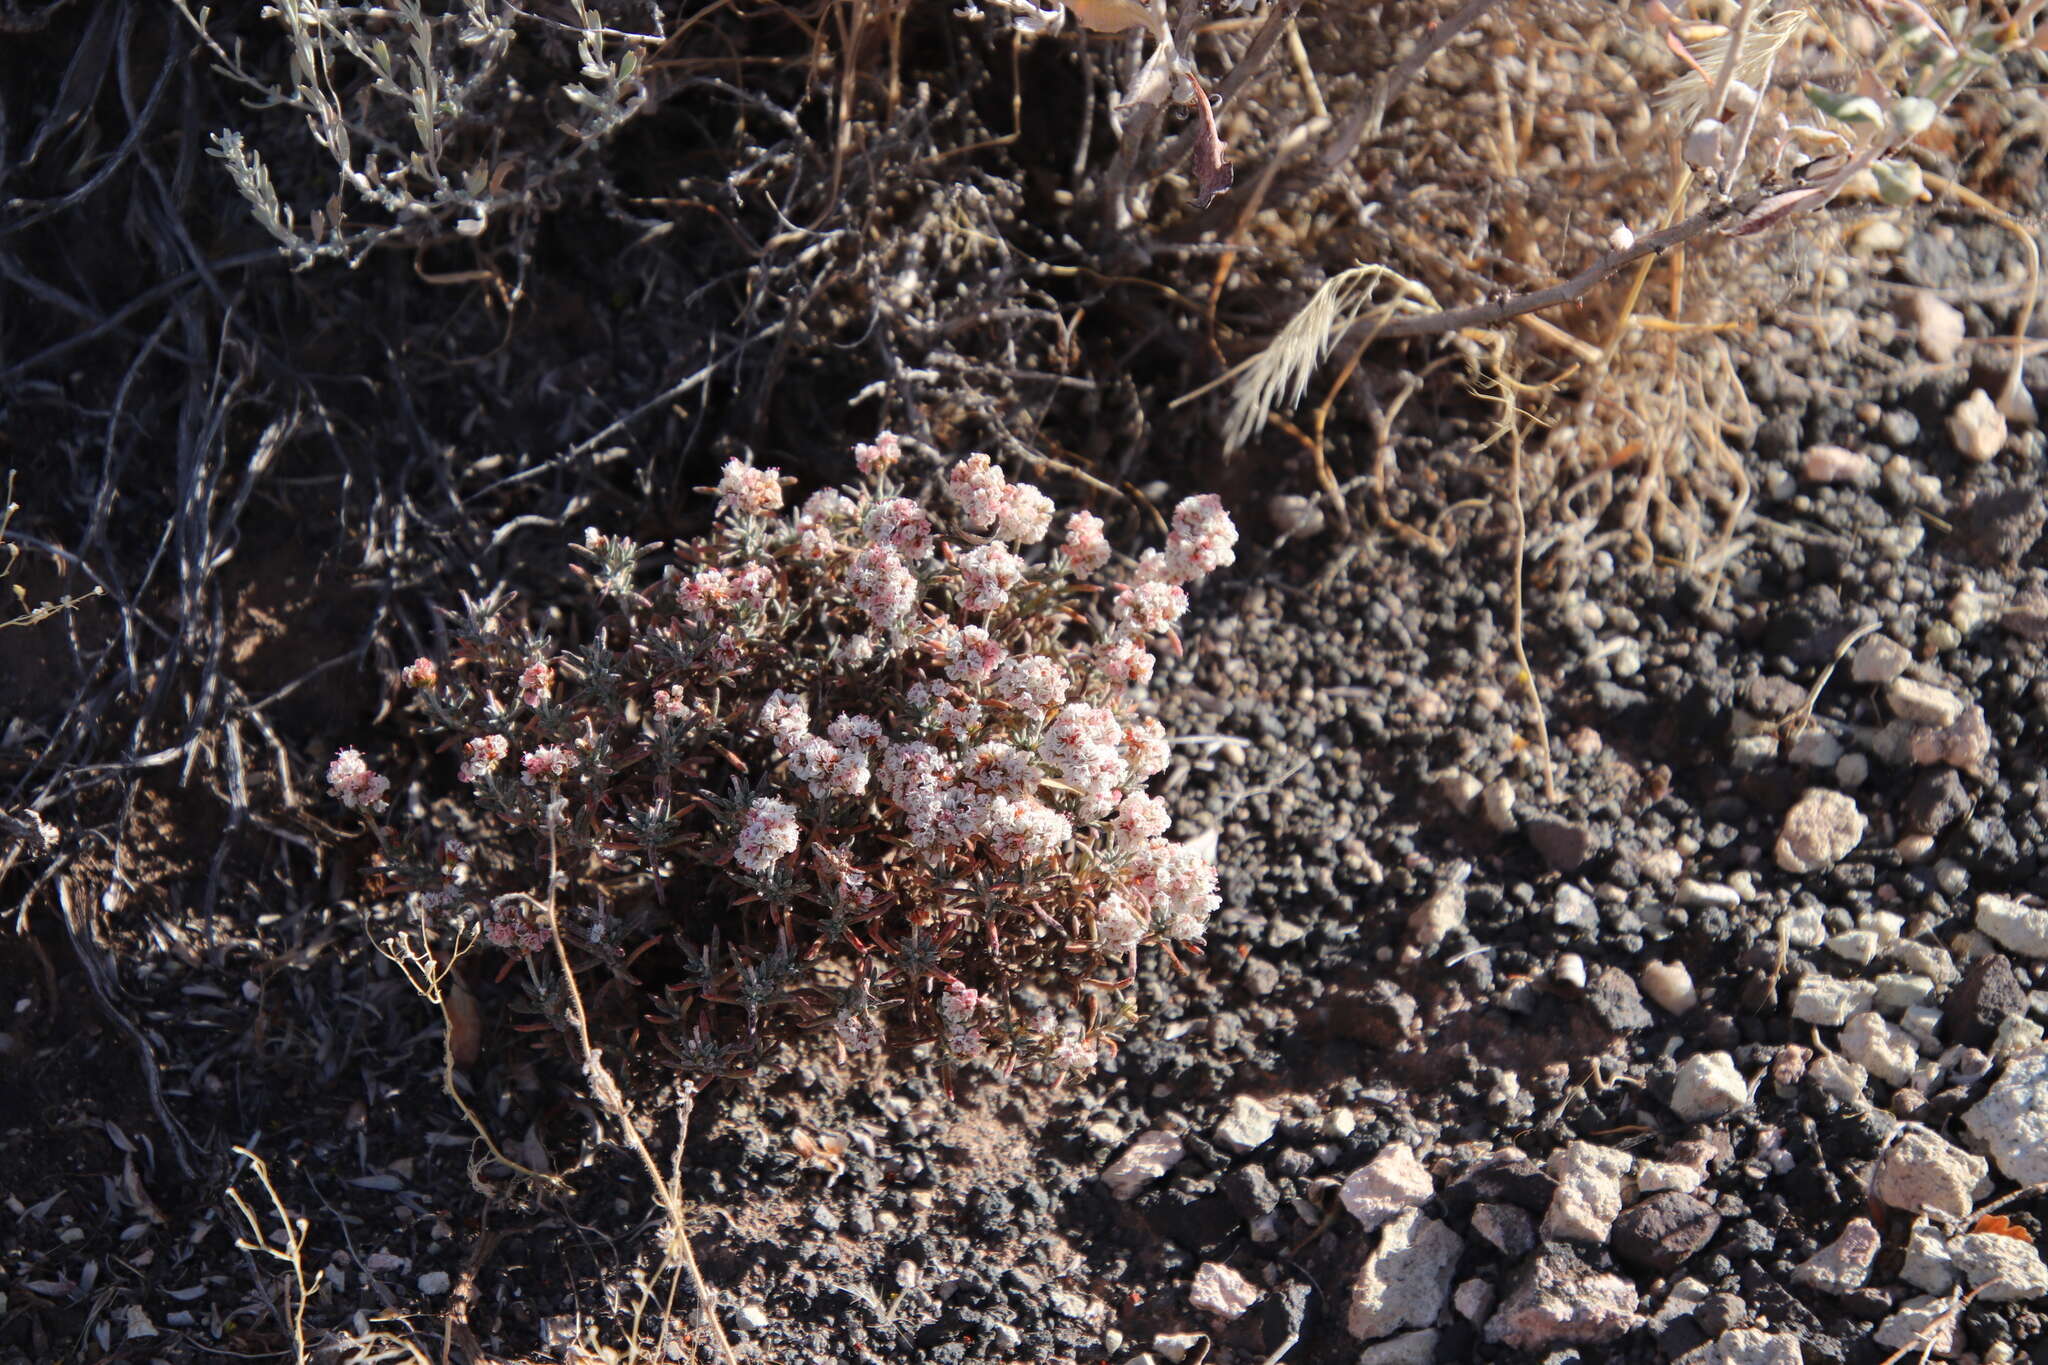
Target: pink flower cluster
989,502
767,836
749,492
353,784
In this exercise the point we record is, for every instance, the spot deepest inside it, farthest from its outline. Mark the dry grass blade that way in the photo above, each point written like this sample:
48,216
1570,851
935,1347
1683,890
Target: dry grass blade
1276,377
1686,98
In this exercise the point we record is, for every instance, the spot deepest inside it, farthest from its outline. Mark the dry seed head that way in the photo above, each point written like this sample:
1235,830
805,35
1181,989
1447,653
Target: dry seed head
1686,97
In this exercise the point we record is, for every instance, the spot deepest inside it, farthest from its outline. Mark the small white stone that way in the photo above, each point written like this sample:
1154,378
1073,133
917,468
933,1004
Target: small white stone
1927,1266
2021,926
2012,1118
1814,747
1855,946
1820,830
1830,1001
1922,703
1938,328
1473,1299
1460,790
1394,1181
1588,1196
2008,1269
1977,427
1922,1172
1803,928
1409,1348
1178,1346
1925,959
1497,805
1880,1047
1669,984
1898,992
1708,1087
1654,1177
434,1283
1927,1322
1879,659
1842,1266
1149,1156
1700,895
1836,464
1248,1125
1746,1346
1838,1076
1406,1280
1436,917
1222,1292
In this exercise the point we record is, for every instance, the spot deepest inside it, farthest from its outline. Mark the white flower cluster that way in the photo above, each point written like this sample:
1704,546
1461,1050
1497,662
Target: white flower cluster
1012,743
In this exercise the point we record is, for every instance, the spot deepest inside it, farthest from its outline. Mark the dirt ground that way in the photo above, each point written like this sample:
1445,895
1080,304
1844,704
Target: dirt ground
1532,1028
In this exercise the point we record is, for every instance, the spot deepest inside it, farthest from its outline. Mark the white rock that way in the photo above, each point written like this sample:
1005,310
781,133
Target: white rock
1928,1321
1588,1196
434,1283
1439,915
1699,895
1178,1346
2021,926
2012,1118
1815,748
1898,992
1669,984
1406,1281
1880,1047
2017,1035
1922,1172
1879,659
1843,1264
1497,805
1830,1001
1474,1300
1746,1346
1927,1266
1937,326
1971,608
1459,789
1574,909
1855,946
1838,1076
1654,1177
1382,1189
1410,1348
1149,1156
1836,464
1820,830
1708,1087
1977,427
1222,1292
1554,1299
1965,745
2008,1269
1803,928
1248,1125
1925,959
1922,703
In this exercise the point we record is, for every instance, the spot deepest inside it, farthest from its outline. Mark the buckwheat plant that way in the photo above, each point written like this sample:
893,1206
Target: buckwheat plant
864,768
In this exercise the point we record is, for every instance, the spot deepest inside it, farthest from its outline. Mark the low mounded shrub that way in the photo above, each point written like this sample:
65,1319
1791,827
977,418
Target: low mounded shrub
863,768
